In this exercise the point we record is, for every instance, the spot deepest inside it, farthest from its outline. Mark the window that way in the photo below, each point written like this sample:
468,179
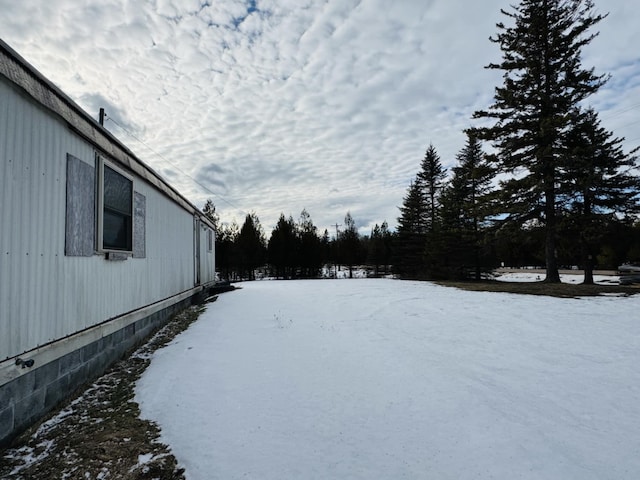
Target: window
115,210
210,240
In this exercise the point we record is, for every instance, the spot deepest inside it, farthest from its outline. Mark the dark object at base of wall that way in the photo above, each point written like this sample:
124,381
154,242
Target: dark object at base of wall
212,291
221,287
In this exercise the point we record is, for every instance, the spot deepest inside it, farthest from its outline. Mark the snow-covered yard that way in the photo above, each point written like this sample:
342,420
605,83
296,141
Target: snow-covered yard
389,379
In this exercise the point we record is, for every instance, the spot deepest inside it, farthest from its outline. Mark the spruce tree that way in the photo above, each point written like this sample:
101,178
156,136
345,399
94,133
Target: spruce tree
349,243
465,209
544,82
387,241
325,248
310,259
431,179
227,259
599,182
251,246
283,248
209,211
375,252
413,224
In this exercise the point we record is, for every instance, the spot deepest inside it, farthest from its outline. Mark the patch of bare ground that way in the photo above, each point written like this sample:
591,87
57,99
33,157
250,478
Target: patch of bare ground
98,433
563,290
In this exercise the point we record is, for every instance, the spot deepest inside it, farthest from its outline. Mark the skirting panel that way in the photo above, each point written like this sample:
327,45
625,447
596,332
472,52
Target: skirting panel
30,396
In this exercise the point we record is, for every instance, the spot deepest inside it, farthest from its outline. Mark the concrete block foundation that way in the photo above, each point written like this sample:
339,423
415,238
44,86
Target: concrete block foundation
31,395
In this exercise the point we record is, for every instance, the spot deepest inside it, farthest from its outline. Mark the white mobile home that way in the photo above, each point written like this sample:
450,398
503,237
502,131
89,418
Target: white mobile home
96,249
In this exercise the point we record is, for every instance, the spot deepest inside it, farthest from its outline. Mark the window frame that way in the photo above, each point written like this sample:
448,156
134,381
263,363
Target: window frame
102,163
210,241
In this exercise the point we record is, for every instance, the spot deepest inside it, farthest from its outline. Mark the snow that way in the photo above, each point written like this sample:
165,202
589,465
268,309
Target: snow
391,379
564,277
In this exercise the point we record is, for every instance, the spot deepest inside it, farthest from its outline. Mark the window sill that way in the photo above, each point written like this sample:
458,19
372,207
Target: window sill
116,256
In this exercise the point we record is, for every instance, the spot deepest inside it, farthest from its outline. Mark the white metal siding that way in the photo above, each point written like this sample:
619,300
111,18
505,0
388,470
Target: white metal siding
44,295
207,263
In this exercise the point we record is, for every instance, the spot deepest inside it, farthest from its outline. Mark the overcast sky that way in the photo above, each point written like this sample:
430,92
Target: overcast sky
278,105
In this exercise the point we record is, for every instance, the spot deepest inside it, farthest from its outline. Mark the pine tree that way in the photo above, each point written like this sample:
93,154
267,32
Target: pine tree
209,211
598,182
464,209
227,260
544,81
349,243
251,246
283,248
387,241
375,254
413,224
310,246
379,248
325,248
431,179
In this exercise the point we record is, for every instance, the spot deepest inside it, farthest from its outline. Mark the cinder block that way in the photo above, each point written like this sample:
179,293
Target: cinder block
98,364
115,338
7,394
70,361
90,351
46,374
130,330
56,391
6,425
28,409
78,377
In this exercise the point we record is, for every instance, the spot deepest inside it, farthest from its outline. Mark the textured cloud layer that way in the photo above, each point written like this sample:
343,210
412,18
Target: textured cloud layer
278,105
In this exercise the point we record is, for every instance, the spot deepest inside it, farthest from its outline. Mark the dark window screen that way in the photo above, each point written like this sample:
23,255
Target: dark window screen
117,219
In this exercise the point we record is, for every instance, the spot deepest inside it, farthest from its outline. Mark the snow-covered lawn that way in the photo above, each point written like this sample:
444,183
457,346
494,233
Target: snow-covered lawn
389,379
564,277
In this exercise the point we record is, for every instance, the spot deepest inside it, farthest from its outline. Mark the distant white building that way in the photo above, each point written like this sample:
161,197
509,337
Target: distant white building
96,249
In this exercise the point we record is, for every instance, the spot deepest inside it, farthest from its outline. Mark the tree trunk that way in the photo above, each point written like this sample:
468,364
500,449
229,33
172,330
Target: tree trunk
588,269
587,258
553,275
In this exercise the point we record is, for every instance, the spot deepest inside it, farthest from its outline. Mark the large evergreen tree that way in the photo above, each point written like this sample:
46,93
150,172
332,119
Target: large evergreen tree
310,246
544,82
379,249
251,246
599,182
417,233
431,180
209,211
408,256
465,209
283,248
349,243
227,260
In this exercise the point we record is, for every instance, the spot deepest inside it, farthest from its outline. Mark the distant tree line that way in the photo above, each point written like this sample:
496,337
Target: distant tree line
296,249
555,188
463,242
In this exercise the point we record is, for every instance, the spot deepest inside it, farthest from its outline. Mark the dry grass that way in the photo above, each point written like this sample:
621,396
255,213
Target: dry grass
563,290
98,434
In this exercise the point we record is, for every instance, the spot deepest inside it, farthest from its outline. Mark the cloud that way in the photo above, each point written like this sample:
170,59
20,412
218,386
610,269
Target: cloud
278,105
